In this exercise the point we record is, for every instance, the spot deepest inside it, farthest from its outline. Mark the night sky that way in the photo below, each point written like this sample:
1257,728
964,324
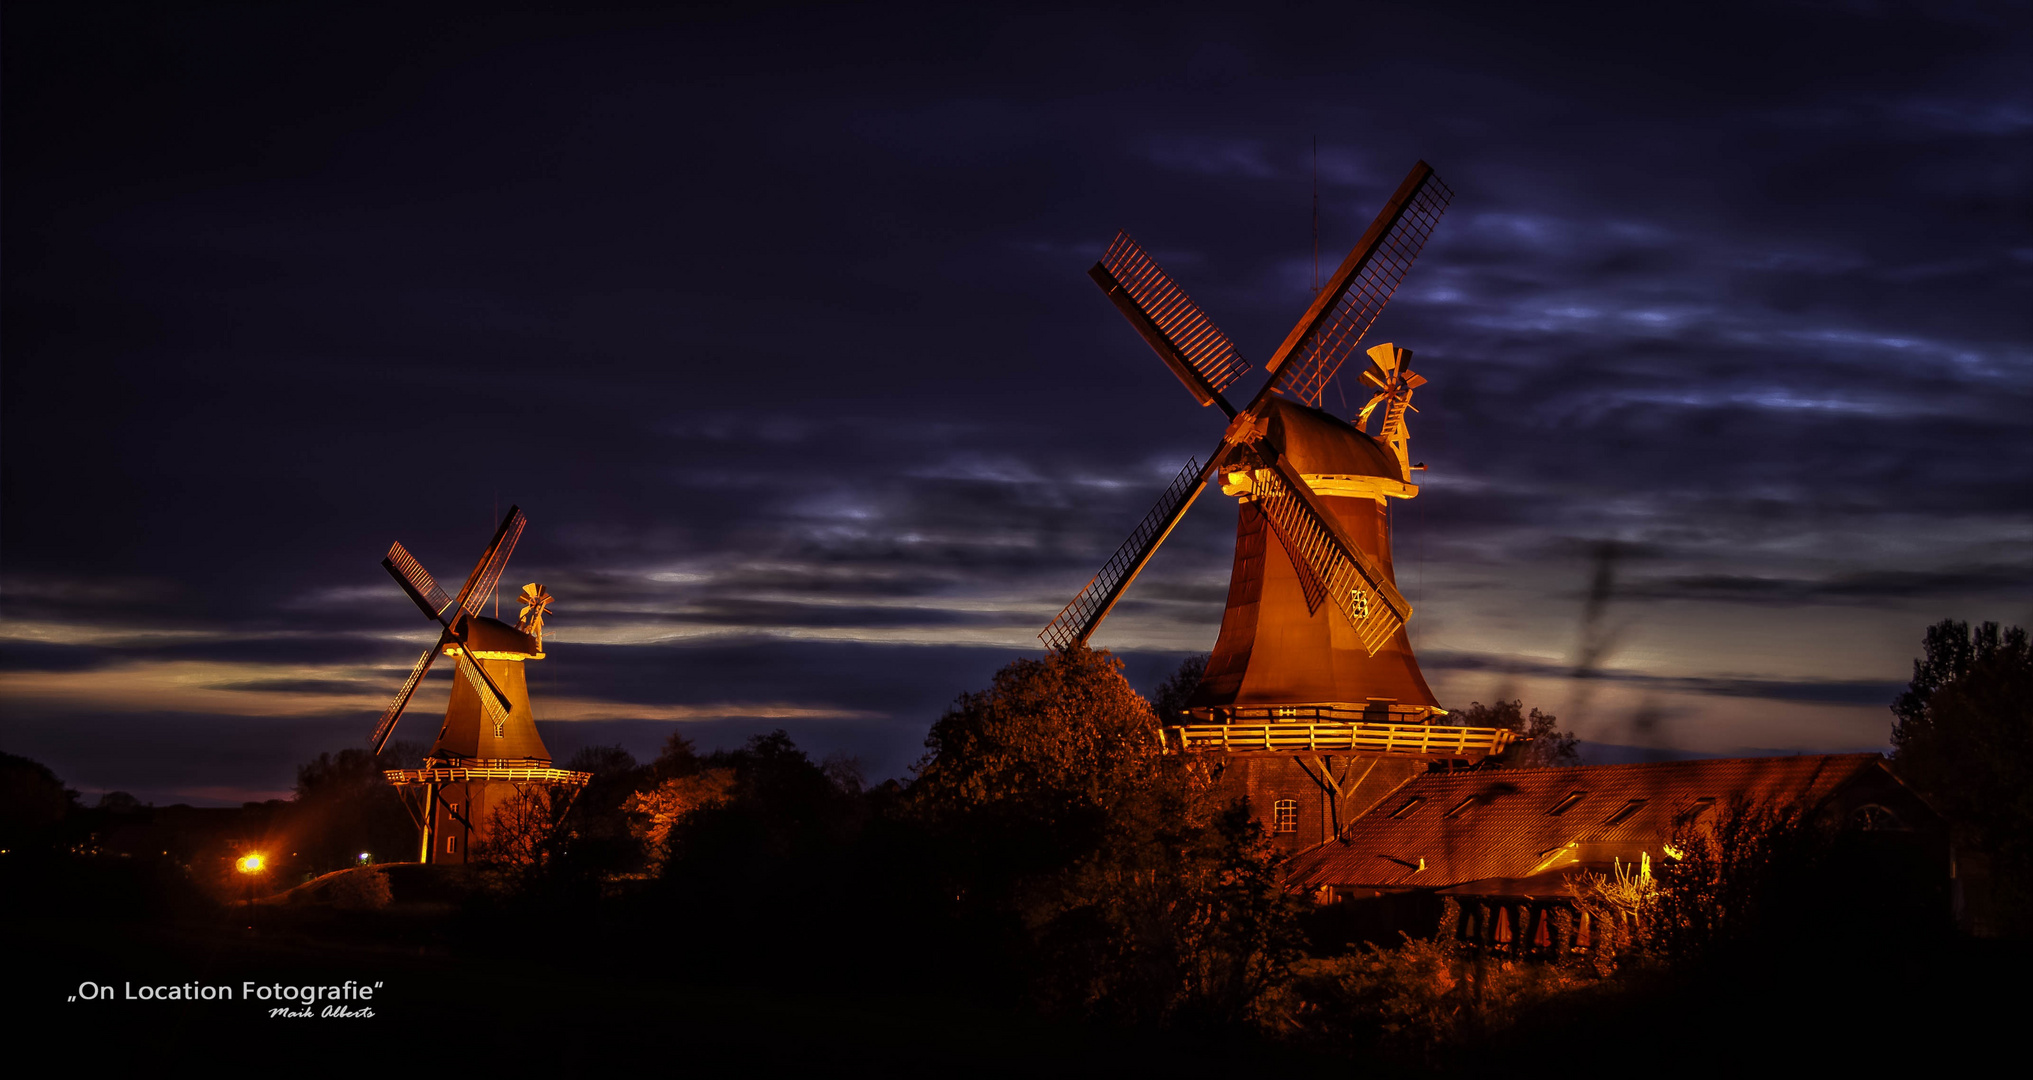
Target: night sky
776,325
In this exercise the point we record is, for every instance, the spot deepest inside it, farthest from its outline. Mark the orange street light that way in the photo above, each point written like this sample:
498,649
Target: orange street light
250,863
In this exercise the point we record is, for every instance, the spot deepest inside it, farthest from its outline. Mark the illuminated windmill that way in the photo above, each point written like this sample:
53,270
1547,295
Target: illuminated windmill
1314,628
488,755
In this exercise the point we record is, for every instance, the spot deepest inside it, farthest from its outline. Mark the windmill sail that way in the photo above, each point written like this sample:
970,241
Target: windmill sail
386,727
417,582
1334,326
487,573
492,700
1076,622
1330,566
1182,335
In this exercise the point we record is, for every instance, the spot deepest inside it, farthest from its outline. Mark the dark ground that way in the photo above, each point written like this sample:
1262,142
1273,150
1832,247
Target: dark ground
460,980
554,1009
578,998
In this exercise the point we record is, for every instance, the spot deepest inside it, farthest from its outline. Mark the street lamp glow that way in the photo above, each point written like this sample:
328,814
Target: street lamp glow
250,863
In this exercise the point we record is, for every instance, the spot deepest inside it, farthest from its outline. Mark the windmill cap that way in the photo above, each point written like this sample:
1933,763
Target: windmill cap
1315,442
492,639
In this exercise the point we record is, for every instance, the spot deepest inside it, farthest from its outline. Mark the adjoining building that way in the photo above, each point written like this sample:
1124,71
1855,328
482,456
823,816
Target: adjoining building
1505,844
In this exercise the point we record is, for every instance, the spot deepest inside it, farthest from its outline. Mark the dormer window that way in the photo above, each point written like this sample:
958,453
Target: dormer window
1566,804
1460,808
1624,812
1411,804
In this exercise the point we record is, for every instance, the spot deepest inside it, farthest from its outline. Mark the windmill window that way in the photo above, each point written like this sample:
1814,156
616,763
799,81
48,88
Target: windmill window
1285,816
1624,812
1460,808
1359,600
1411,804
1566,804
497,729
451,844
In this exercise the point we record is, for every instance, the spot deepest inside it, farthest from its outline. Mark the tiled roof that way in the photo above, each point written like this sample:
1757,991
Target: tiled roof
1518,823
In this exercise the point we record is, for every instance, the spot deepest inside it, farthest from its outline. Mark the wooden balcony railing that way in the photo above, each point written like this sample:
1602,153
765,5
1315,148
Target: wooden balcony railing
461,773
1372,713
1422,739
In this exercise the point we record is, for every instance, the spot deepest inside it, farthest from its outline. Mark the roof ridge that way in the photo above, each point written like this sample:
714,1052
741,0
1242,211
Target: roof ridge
1684,762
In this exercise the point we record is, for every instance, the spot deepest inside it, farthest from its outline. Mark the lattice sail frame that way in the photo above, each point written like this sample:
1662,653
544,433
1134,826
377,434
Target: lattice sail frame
1079,618
488,574
1406,225
1330,568
386,725
1199,342
417,581
469,669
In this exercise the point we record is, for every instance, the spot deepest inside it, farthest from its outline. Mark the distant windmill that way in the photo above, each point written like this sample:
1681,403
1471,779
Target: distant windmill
488,752
1316,482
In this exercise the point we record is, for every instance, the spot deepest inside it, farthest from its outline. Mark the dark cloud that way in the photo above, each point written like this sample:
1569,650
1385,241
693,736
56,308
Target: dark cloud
1869,587
290,686
1826,691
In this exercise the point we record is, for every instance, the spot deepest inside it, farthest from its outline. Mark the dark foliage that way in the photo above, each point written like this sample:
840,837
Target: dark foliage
1170,697
1964,739
764,874
1754,875
1129,892
1542,743
344,806
52,866
33,804
596,839
1045,852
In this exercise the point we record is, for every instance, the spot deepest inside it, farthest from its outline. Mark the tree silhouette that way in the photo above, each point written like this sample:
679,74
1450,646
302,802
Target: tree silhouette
1963,738
1123,883
1170,697
1544,744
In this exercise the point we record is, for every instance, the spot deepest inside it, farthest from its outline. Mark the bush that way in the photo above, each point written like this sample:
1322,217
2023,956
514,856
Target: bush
1754,874
1419,1000
1111,876
362,889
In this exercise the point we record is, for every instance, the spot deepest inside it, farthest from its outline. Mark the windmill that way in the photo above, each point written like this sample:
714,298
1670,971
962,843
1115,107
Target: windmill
488,753
1313,633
